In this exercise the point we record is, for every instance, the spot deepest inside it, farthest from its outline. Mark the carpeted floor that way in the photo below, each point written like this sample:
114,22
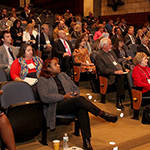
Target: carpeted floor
128,134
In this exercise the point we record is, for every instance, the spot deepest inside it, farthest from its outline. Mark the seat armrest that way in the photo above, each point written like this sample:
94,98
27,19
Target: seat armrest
77,64
137,88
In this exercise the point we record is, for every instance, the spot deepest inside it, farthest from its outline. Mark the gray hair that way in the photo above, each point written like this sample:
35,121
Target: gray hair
104,41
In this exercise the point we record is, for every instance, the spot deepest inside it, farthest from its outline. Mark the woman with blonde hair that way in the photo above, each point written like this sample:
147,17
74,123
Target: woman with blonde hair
138,36
29,36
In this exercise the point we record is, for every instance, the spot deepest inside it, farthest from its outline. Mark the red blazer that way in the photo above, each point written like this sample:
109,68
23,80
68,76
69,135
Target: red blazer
139,79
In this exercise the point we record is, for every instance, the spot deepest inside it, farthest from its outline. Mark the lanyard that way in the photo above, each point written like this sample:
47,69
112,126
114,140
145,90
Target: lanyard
144,72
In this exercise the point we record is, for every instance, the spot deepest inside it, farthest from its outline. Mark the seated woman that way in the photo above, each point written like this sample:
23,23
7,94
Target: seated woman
119,49
82,56
16,33
141,73
138,36
98,33
29,36
61,96
27,64
88,43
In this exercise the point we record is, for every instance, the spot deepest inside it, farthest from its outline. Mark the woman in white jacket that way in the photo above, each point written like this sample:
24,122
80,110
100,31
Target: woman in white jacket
29,36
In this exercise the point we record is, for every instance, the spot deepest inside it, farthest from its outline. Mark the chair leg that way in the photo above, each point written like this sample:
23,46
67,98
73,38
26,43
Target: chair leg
103,96
2,145
77,126
136,115
43,141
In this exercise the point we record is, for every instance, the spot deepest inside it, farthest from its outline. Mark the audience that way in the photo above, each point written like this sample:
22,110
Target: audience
87,44
107,65
61,96
130,37
109,26
46,42
99,33
77,31
16,33
138,36
143,46
141,73
82,56
8,53
62,48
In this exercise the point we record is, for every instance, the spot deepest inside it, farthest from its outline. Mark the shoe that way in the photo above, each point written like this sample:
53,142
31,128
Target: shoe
119,104
87,144
109,117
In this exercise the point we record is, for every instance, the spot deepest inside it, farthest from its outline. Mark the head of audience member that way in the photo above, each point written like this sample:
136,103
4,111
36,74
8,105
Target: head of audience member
131,30
50,68
13,10
148,35
26,51
86,37
31,14
62,34
78,18
120,24
111,22
61,25
96,45
78,28
6,38
5,18
58,18
29,28
17,23
104,23
141,59
119,43
26,9
80,42
101,27
4,12
117,31
144,40
45,29
106,44
73,24
117,21
139,33
144,29
123,20
32,21
13,14
84,25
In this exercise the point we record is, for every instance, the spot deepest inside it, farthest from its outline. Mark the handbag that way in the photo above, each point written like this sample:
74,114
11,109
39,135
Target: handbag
146,115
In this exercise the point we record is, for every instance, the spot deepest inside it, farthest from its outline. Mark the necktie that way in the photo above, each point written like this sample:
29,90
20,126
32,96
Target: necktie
67,48
11,53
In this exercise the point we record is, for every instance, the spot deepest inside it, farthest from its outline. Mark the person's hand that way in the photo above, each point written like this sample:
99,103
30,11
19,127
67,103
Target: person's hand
48,46
68,95
127,70
65,54
119,72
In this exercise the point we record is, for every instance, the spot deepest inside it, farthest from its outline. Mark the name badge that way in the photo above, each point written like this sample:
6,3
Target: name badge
31,66
114,63
148,81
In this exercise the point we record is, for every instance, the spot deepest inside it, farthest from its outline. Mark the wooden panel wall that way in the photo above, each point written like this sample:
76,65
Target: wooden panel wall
136,19
60,6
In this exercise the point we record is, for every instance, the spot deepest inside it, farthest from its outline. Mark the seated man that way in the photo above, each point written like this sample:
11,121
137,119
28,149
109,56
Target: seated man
63,49
46,42
107,65
130,37
143,46
61,26
8,53
5,24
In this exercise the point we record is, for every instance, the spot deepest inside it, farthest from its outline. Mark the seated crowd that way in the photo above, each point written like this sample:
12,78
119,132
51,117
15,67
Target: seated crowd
100,48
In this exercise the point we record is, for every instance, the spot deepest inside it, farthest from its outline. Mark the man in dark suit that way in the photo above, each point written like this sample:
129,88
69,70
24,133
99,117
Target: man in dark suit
25,13
7,52
62,49
143,46
108,66
46,42
118,34
130,37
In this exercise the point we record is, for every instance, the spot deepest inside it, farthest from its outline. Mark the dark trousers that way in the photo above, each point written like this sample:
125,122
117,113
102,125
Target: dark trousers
120,85
67,61
80,107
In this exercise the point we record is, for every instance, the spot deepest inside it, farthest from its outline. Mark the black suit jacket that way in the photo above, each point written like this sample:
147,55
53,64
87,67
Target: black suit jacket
127,40
59,49
105,67
142,48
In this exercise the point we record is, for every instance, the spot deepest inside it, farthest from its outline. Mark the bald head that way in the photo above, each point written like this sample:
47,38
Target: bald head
62,34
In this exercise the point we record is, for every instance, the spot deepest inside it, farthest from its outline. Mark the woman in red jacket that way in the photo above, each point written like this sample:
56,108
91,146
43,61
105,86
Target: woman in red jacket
141,73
